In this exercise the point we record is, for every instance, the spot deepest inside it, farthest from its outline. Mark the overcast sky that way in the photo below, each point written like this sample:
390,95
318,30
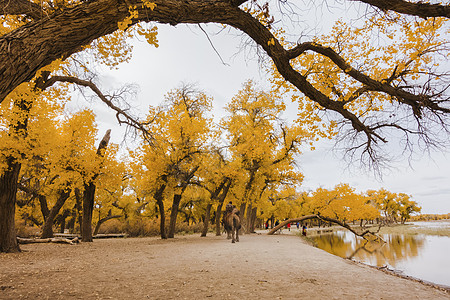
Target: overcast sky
185,55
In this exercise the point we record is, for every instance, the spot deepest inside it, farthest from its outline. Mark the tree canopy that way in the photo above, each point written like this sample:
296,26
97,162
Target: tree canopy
353,77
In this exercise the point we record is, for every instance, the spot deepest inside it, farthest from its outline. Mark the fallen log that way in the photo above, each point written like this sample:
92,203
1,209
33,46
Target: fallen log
338,222
48,240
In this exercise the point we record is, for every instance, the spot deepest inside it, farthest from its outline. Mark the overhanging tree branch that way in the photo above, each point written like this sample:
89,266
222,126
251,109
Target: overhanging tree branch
21,7
420,9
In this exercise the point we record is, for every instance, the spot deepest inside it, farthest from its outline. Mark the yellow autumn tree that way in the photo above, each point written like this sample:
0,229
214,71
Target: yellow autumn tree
182,132
262,145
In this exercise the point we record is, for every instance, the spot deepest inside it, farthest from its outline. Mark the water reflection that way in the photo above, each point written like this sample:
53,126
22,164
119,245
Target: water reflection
420,256
396,248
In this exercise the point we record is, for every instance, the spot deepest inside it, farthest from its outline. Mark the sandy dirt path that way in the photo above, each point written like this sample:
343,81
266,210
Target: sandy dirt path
190,267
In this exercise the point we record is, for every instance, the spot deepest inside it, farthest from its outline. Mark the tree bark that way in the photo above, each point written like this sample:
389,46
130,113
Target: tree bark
9,181
89,194
173,215
88,208
248,219
79,208
253,219
8,191
47,229
206,221
219,207
158,196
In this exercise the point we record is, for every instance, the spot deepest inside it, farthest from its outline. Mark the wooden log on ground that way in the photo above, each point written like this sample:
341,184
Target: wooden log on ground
48,240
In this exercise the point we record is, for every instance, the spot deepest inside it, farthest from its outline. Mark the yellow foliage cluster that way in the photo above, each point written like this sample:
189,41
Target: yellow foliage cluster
386,47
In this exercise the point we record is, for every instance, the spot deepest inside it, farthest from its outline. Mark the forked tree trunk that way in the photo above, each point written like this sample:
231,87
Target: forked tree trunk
207,218
89,194
47,229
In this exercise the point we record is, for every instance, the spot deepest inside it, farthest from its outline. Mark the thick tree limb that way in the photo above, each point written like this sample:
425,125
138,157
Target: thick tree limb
420,9
21,7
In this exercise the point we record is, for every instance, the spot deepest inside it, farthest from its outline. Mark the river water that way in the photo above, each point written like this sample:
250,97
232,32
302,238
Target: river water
425,257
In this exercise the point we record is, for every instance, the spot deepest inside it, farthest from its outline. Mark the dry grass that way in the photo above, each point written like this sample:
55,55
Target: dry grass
414,229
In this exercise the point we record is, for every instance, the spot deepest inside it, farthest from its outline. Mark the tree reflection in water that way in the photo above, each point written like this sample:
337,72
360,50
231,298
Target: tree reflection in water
396,248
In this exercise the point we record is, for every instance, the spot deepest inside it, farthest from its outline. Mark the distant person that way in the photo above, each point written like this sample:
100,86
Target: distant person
267,224
289,226
298,225
304,230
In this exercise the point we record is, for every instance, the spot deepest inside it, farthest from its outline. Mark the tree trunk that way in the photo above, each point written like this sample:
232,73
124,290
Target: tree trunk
8,191
253,219
47,229
248,219
79,208
9,181
219,207
218,218
159,200
243,219
88,208
44,206
207,218
174,214
62,220
89,194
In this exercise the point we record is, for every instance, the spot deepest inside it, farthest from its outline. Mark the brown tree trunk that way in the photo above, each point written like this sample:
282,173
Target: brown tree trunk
207,218
253,219
222,197
173,215
89,194
243,219
248,219
9,181
44,206
79,208
62,220
218,218
159,200
88,208
47,229
8,191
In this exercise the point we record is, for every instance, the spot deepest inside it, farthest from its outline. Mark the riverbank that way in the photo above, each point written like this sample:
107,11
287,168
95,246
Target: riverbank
190,267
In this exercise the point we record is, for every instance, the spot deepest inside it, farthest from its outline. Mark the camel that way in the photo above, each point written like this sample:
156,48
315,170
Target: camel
232,222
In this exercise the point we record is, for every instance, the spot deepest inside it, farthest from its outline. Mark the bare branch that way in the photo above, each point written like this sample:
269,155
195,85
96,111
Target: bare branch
128,119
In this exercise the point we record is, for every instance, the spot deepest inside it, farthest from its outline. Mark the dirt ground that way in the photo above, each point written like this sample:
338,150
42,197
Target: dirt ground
190,267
